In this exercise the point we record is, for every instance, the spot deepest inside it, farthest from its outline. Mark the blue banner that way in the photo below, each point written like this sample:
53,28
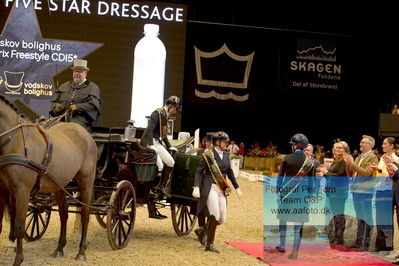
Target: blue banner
306,214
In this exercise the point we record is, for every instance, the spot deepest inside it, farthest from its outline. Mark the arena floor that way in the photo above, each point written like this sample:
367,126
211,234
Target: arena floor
154,241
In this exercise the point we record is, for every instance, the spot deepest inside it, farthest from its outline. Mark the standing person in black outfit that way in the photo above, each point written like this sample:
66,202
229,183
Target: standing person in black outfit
201,217
393,170
337,178
80,96
211,187
155,137
156,134
296,172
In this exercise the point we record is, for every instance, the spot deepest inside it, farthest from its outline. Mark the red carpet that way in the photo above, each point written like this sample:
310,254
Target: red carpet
309,254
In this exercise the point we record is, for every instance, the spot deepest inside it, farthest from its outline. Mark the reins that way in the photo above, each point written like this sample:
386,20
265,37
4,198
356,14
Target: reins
7,140
40,169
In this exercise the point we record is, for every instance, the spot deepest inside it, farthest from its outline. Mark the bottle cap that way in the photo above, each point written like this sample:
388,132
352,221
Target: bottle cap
151,29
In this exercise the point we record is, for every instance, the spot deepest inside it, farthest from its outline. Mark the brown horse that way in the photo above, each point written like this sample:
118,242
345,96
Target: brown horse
3,203
74,155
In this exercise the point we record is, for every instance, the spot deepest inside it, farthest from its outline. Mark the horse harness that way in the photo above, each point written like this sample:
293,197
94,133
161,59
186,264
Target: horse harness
41,169
7,159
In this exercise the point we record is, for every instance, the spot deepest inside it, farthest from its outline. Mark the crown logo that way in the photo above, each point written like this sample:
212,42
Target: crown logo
220,83
222,68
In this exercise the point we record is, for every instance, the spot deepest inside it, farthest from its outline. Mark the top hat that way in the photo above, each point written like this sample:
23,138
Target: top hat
80,64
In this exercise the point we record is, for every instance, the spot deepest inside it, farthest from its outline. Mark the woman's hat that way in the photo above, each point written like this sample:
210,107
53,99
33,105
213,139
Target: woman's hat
80,64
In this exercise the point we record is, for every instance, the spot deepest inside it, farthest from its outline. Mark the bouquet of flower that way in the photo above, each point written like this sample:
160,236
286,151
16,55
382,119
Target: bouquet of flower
269,151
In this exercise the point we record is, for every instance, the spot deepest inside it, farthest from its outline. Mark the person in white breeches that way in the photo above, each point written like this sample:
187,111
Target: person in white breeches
163,156
217,204
155,137
212,188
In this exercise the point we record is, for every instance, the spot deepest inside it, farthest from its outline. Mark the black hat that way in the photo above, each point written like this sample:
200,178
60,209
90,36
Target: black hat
220,135
299,140
175,101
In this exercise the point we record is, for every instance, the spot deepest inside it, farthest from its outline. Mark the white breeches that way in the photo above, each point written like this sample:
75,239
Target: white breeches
217,204
163,156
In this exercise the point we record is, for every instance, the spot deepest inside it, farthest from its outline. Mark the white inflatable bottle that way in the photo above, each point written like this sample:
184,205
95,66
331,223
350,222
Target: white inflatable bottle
148,75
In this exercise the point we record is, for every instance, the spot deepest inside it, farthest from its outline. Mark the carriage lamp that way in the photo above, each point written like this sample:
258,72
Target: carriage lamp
130,131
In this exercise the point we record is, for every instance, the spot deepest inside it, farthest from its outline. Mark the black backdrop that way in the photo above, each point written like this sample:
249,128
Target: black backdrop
275,110
276,113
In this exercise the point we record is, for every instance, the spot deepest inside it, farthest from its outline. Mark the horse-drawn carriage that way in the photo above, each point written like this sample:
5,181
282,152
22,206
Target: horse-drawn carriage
37,166
125,176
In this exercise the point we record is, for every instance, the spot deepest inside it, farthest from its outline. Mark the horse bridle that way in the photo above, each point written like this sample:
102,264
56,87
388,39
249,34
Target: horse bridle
24,160
41,169
21,124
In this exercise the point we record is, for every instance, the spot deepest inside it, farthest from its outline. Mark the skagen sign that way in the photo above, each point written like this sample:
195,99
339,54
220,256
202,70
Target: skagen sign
315,65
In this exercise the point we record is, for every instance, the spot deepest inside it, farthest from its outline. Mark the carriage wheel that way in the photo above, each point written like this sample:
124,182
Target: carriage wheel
36,223
183,221
102,217
121,215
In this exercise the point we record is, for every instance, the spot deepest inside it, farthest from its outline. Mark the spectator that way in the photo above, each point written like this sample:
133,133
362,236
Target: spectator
320,154
309,152
336,177
355,153
362,185
383,187
377,153
394,173
241,153
233,148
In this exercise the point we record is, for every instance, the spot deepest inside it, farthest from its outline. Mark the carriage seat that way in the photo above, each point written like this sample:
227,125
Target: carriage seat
145,164
144,156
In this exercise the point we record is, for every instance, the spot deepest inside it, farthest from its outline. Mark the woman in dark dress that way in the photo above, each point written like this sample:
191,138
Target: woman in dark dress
336,177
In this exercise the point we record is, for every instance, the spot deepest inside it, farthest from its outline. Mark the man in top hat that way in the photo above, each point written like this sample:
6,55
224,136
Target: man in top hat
79,98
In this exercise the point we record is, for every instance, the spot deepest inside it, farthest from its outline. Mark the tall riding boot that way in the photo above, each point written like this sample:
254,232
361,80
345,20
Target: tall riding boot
153,212
160,188
152,193
211,235
201,232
